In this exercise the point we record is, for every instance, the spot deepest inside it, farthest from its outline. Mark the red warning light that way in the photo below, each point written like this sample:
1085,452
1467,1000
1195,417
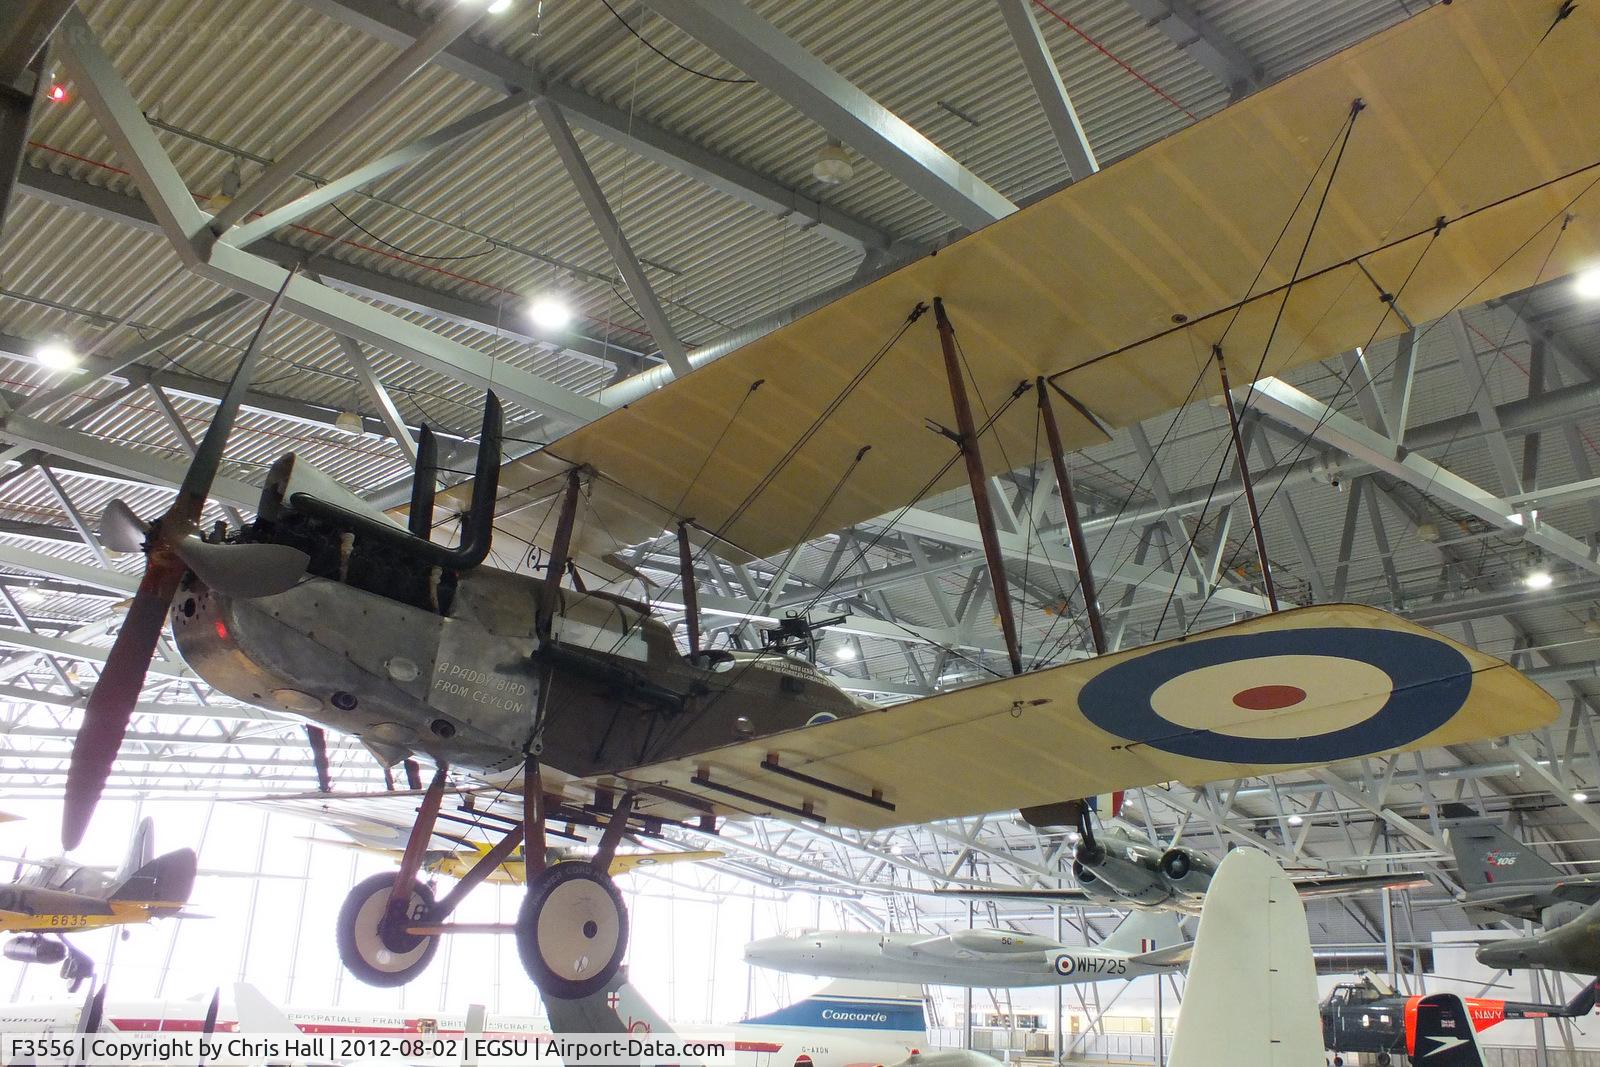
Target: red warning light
58,93
222,629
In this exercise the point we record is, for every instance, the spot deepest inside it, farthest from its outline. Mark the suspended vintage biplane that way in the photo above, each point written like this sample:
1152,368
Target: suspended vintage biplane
1446,161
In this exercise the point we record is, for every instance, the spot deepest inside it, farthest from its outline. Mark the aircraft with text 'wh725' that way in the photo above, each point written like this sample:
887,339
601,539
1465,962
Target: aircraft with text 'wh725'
1144,943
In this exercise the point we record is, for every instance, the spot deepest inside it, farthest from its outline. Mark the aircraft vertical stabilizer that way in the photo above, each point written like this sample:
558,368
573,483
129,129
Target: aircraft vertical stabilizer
1487,855
1443,1033
257,1014
1252,991
141,849
1145,931
847,1004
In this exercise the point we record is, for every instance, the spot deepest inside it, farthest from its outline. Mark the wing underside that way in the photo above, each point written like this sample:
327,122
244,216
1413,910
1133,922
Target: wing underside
1452,190
1311,686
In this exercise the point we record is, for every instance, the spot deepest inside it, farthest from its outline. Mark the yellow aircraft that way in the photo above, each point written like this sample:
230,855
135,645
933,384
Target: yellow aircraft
62,897
512,871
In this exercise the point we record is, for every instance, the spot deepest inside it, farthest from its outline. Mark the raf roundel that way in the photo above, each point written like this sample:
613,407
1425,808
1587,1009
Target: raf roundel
1286,696
1065,966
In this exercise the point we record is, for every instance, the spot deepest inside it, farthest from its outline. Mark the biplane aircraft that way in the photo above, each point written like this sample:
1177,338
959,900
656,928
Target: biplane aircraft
1468,148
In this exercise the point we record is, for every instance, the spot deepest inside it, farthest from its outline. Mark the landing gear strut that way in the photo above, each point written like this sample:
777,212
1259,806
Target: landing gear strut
572,929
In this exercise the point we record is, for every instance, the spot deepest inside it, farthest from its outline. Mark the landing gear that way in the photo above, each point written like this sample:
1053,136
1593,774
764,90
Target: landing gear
1384,1059
374,947
572,930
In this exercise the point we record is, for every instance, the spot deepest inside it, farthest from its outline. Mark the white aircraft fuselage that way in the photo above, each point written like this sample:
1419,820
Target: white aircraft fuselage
982,959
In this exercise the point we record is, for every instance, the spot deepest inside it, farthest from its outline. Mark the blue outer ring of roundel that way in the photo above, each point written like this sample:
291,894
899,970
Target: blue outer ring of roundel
1431,683
1065,966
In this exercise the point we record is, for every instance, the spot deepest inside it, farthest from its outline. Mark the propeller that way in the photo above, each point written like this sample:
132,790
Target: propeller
210,1025
111,704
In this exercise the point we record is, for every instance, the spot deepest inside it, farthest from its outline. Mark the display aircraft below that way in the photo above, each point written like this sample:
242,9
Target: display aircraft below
1117,865
1145,943
1368,1017
60,897
579,703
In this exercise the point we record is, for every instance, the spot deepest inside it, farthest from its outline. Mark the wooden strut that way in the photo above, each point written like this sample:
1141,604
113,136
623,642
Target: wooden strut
532,820
1244,476
486,865
416,848
968,440
1069,504
611,837
560,548
691,595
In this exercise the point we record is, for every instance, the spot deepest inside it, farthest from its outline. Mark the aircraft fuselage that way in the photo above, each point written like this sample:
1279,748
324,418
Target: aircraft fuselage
461,685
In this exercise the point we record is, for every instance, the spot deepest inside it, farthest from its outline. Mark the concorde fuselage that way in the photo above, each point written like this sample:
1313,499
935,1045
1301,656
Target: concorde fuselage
980,958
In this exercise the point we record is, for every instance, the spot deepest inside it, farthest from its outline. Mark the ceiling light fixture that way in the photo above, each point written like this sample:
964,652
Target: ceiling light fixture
1587,283
1295,820
1538,578
1427,531
832,165
1580,797
499,7
550,313
845,652
57,357
349,422
58,94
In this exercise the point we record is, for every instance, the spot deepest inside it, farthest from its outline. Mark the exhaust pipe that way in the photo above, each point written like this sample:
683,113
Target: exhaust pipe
477,526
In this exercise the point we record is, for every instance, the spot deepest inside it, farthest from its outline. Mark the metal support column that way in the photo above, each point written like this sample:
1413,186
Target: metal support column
1080,550
970,451
1244,475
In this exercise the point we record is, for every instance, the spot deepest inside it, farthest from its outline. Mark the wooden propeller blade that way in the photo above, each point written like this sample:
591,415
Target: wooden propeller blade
318,740
105,718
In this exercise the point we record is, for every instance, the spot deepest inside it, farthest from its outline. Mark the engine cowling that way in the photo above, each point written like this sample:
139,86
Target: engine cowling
1187,871
31,948
1132,869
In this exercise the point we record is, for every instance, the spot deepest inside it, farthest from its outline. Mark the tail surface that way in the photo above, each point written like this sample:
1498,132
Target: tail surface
1442,1033
1487,855
257,1014
1144,932
141,849
1252,990
846,1004
167,879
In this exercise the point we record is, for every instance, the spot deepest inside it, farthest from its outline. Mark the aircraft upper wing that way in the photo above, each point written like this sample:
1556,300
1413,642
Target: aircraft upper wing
1305,687
1481,128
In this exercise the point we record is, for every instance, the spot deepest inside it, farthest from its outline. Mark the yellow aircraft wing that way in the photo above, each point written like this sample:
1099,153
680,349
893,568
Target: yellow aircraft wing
1478,114
1306,687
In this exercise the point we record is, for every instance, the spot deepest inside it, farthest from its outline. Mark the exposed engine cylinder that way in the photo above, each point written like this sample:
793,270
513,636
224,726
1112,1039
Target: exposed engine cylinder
31,948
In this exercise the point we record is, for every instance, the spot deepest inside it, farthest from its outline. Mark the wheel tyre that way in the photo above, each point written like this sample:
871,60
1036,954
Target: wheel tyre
572,930
379,957
1338,1061
1384,1059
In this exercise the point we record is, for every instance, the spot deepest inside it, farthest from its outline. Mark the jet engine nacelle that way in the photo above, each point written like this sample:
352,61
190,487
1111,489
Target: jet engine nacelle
1130,869
31,948
1188,872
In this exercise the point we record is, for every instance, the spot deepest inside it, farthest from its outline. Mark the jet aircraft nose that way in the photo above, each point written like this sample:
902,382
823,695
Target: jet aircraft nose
768,949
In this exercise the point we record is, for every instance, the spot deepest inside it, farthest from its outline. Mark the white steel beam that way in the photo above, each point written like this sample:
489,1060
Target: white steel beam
616,242
766,54
380,396
1307,415
245,233
1202,42
391,23
453,22
1047,86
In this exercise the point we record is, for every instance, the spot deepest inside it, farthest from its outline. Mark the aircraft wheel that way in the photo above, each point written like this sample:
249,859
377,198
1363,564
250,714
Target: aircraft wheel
373,952
572,930
1384,1059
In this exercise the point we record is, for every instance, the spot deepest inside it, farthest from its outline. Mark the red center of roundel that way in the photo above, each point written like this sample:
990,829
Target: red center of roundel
1269,697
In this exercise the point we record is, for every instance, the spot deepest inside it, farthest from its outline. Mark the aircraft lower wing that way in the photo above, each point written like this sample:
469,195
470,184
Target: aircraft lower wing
1305,687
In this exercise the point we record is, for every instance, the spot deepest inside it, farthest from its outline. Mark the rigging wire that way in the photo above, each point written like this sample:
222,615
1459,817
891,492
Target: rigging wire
491,250
681,66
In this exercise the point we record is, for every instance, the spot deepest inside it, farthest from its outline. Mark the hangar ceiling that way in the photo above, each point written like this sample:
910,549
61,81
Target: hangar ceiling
654,163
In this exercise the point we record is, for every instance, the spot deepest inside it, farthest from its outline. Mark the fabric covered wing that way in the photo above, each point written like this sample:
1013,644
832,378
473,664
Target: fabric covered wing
1117,286
1305,687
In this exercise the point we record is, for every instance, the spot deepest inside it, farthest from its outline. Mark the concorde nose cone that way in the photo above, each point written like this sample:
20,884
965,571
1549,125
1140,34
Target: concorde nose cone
769,950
